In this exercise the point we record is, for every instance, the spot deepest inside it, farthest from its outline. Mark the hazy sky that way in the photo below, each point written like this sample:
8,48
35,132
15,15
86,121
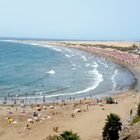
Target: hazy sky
71,19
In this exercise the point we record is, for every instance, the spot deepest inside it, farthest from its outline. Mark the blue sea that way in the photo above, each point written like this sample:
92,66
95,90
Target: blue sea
36,71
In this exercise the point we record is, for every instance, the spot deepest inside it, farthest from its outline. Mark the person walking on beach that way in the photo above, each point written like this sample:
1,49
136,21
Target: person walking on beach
131,112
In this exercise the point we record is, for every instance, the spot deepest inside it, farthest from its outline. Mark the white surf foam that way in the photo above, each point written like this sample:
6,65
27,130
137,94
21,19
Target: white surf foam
84,58
43,45
95,65
74,65
99,78
69,50
74,69
34,44
51,72
9,40
113,78
87,65
67,55
52,47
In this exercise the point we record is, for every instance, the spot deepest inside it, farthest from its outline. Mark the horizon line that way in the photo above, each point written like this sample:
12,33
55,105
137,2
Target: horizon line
62,39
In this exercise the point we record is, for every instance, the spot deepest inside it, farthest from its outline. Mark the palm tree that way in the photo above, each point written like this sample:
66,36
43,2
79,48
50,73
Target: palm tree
66,135
69,135
112,127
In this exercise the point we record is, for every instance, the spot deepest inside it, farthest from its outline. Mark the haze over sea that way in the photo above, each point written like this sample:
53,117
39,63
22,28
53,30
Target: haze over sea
57,72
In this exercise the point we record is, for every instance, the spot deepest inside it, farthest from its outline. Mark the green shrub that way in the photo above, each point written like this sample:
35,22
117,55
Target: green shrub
69,135
135,120
138,110
137,117
112,127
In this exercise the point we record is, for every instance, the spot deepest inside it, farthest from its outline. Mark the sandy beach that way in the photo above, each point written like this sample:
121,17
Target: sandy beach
85,117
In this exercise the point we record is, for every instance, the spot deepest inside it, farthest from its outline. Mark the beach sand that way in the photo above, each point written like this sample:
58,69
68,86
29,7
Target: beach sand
96,43
88,123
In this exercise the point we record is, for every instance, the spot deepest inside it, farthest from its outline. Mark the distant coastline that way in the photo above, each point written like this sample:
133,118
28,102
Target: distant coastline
66,40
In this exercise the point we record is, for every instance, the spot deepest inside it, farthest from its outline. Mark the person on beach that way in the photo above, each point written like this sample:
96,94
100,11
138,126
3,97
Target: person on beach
44,99
131,112
10,120
27,127
55,129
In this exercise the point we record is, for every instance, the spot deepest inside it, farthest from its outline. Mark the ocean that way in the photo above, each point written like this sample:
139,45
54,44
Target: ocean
33,71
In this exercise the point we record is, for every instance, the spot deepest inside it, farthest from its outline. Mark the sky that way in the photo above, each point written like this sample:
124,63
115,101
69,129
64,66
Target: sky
71,19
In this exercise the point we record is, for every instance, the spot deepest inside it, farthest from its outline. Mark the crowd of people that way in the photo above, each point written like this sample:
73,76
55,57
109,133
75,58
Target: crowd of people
121,56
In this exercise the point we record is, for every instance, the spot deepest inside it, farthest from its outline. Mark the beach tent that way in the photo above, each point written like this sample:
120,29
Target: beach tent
110,100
